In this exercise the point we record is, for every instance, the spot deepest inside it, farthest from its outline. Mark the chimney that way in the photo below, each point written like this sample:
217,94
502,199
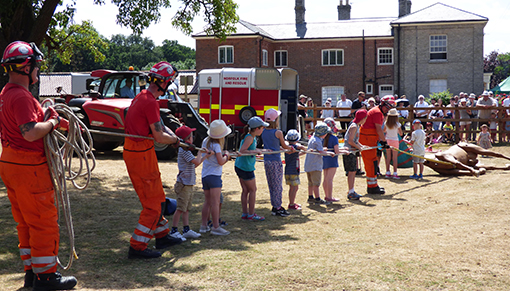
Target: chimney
300,11
344,11
404,7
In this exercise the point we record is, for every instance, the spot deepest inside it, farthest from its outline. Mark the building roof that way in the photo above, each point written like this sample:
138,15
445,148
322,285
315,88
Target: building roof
439,12
369,27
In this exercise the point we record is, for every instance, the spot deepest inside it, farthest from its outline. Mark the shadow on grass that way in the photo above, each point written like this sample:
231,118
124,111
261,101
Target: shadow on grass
105,215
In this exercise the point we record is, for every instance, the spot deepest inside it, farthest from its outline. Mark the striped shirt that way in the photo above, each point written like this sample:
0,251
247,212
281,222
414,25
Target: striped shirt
186,168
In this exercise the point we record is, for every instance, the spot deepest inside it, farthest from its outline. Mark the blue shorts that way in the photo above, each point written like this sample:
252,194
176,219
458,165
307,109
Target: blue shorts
211,181
245,175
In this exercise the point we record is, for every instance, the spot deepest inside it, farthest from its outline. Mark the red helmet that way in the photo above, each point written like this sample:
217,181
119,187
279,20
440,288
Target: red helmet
389,101
163,72
20,53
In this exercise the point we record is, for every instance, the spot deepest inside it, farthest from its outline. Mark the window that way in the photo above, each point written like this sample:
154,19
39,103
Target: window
369,89
332,57
333,92
264,57
280,58
437,86
385,56
385,90
226,54
438,47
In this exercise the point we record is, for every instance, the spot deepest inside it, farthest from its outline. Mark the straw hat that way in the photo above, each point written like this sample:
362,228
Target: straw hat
393,112
218,129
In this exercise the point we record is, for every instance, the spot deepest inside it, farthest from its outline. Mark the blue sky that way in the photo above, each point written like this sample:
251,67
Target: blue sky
282,11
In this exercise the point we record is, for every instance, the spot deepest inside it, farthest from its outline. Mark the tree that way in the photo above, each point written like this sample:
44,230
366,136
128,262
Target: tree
30,20
499,65
128,51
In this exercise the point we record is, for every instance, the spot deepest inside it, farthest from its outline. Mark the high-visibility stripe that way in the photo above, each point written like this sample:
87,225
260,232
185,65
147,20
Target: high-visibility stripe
44,260
39,270
204,111
162,228
144,229
259,112
228,111
239,107
215,106
24,252
140,238
269,107
27,262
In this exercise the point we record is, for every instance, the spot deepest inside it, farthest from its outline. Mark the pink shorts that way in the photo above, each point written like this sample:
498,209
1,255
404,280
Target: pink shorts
393,143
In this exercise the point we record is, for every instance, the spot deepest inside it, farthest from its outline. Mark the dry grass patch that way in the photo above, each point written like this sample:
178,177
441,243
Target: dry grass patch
441,233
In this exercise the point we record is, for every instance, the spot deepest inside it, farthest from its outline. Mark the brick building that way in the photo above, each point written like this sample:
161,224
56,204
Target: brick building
376,55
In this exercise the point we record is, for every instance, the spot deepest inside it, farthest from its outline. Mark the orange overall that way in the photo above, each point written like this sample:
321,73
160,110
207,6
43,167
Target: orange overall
143,169
30,190
368,136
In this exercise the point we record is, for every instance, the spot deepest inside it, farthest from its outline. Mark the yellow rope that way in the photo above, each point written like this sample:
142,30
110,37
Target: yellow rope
422,157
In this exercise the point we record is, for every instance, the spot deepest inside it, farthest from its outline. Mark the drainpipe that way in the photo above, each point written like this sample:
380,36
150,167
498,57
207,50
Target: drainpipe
364,75
398,60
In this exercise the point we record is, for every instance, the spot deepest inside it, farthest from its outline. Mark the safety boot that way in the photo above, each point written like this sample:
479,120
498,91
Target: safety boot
167,241
376,190
53,281
144,254
29,279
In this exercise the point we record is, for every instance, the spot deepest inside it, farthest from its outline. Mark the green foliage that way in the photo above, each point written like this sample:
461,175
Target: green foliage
499,65
445,96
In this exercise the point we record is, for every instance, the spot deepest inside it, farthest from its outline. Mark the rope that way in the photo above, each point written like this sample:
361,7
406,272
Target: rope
60,150
422,157
181,144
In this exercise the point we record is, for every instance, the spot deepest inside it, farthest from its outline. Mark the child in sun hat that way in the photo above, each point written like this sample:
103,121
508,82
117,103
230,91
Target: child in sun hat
313,163
273,140
186,162
245,167
330,164
418,143
211,175
292,168
352,143
393,132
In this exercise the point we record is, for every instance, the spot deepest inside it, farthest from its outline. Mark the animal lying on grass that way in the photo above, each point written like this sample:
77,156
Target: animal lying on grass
463,160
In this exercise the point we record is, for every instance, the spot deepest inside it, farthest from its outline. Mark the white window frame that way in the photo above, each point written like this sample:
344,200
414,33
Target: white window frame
386,85
286,58
438,85
329,51
333,92
381,55
264,58
436,46
369,89
224,50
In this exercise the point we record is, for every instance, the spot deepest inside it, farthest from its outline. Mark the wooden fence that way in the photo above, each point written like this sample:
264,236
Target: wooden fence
501,118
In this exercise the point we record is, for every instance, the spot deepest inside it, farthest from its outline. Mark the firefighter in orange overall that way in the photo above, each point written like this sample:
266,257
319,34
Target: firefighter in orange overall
370,134
24,168
143,119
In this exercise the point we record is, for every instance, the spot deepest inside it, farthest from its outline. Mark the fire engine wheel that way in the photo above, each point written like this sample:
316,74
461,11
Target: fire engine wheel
246,113
165,151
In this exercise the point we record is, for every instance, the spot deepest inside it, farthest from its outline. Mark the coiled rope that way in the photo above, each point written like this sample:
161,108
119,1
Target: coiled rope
61,152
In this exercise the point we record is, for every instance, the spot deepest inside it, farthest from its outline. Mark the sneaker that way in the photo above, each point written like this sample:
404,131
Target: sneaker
414,176
223,222
376,190
219,231
294,206
420,177
178,235
332,199
167,241
320,201
244,216
204,229
359,172
311,199
255,217
145,254
353,196
388,175
395,176
191,234
280,212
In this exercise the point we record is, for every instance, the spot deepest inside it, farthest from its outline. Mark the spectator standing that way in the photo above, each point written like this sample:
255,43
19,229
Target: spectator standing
484,103
418,144
506,103
421,113
352,144
464,125
474,114
309,112
358,103
344,113
328,112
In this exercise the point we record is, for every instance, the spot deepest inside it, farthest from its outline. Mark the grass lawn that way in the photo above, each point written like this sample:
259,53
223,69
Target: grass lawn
440,233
